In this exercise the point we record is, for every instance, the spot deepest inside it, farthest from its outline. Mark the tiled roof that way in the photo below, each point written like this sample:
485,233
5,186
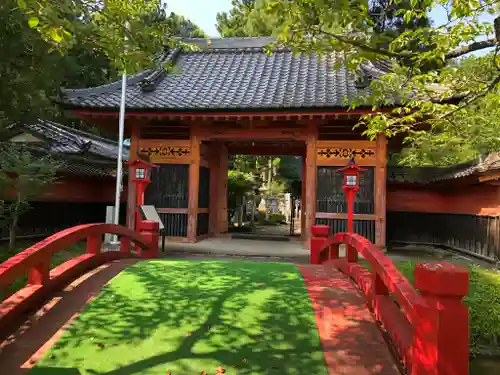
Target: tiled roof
76,151
230,74
85,167
66,140
429,175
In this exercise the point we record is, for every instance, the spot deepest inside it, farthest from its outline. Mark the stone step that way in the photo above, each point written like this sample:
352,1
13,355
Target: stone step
259,237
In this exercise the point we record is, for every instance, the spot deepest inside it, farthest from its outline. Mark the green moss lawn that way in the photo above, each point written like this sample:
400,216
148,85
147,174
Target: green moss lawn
186,317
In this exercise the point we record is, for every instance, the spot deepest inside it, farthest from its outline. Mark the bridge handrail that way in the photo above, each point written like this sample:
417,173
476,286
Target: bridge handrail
42,281
39,254
403,292
427,323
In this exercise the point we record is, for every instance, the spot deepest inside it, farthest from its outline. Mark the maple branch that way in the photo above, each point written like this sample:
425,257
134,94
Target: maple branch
365,47
476,46
468,102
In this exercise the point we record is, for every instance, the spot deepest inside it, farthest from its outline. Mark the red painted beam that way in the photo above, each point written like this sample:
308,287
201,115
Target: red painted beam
210,115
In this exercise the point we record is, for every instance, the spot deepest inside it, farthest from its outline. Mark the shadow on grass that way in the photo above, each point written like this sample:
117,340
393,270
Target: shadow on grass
193,316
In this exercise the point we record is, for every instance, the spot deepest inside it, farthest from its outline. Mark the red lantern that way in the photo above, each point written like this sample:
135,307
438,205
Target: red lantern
351,186
141,177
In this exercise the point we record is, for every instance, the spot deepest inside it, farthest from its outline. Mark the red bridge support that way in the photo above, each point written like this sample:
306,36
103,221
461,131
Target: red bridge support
429,328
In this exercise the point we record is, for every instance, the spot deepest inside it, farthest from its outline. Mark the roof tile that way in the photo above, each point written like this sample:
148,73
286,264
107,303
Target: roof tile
235,73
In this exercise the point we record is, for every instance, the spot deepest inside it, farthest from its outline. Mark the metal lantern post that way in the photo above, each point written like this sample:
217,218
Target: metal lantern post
350,187
141,177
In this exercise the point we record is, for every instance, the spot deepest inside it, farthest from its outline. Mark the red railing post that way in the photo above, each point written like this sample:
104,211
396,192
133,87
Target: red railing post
441,326
94,244
39,274
125,245
318,239
150,230
352,254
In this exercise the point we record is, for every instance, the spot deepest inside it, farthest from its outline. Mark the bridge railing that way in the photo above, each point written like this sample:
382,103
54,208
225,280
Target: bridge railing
35,262
427,323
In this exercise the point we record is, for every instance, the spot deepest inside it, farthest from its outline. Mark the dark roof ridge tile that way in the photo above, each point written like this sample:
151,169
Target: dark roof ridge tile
80,132
112,86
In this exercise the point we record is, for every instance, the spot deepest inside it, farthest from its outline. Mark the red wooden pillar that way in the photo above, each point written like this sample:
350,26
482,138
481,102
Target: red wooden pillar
131,188
194,184
441,326
319,235
311,177
222,221
380,190
150,231
303,235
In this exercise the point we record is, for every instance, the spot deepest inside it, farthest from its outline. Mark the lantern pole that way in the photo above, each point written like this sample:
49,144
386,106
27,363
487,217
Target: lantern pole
350,196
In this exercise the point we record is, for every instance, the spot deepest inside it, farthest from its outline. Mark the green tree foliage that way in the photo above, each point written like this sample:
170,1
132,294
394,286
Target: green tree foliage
180,26
429,84
32,36
234,22
23,176
129,33
284,171
124,31
34,72
252,18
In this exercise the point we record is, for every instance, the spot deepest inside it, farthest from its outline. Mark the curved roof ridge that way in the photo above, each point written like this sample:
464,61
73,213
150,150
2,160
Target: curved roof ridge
79,132
131,80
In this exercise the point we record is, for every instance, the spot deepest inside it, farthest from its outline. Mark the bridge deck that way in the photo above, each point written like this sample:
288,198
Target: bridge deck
192,316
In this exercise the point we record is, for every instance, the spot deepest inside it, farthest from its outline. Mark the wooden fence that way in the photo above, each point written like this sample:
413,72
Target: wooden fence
473,234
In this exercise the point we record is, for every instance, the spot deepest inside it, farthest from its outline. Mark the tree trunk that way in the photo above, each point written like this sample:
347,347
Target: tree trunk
13,224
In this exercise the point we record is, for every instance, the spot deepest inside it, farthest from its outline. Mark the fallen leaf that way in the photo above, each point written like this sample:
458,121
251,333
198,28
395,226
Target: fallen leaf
220,370
169,373
203,373
188,334
100,345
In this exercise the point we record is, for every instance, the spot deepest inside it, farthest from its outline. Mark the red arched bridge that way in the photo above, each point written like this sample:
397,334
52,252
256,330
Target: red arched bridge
334,316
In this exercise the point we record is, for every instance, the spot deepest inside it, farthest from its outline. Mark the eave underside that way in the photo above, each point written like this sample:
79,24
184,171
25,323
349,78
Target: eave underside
281,127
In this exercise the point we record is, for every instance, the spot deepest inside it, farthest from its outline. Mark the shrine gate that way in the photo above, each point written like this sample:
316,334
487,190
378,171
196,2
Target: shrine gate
229,97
